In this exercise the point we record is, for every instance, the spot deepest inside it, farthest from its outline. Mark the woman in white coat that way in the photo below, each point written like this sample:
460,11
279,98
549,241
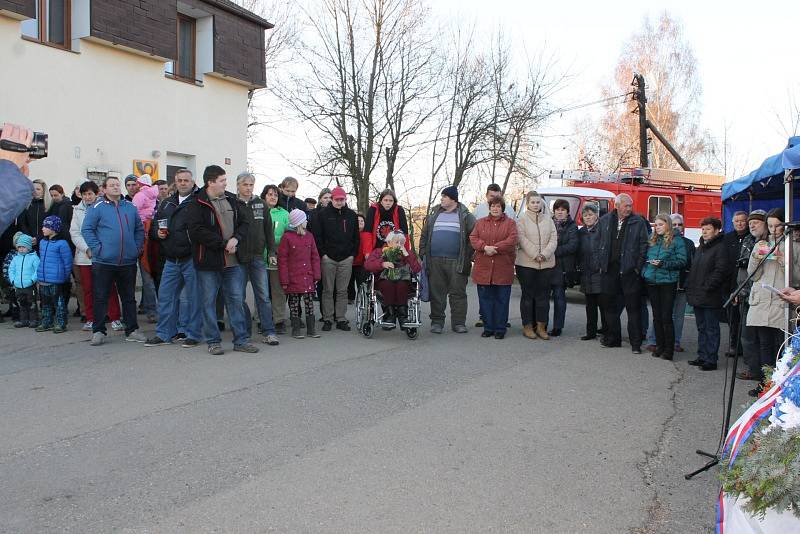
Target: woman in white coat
767,314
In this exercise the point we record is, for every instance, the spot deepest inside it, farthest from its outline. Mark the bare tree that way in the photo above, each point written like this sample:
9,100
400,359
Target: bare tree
788,121
664,57
279,51
409,67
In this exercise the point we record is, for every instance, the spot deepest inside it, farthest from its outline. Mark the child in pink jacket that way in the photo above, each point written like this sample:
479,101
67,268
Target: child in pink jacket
146,198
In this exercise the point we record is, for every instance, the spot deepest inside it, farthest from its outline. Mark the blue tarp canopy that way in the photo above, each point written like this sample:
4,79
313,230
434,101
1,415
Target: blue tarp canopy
763,188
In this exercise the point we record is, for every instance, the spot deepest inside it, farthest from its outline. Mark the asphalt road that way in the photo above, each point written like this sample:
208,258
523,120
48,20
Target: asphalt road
447,433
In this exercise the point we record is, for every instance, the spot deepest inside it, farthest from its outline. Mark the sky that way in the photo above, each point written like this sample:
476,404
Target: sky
742,48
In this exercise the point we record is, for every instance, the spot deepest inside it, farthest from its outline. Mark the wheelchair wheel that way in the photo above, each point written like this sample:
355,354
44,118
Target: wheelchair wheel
362,307
368,329
412,333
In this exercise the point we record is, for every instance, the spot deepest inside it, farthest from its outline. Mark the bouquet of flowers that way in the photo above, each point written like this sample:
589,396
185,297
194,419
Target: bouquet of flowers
394,255
762,452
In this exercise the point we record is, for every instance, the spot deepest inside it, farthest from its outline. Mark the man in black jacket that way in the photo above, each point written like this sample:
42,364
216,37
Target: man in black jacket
336,233
287,199
260,237
705,291
622,247
733,246
170,228
218,231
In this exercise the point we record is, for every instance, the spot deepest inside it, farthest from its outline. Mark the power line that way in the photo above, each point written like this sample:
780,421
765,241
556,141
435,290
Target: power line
607,101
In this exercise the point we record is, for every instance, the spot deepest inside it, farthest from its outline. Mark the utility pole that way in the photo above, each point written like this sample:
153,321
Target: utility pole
645,124
641,99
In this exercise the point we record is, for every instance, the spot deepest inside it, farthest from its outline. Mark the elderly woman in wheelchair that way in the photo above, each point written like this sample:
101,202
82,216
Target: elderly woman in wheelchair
394,270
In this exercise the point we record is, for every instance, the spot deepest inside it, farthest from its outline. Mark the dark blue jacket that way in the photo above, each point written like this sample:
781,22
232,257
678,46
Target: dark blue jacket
113,232
55,261
15,193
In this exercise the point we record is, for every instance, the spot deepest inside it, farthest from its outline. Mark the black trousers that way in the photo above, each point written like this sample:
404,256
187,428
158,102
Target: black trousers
534,305
662,301
593,311
630,285
102,277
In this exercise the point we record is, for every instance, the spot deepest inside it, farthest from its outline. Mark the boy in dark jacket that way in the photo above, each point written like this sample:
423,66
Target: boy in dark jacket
336,233
218,231
55,267
705,290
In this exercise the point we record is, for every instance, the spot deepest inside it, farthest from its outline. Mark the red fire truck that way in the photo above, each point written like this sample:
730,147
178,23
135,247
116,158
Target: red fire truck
693,195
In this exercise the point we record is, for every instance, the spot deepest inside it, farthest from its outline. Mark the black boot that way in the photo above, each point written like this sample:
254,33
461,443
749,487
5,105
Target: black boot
388,317
402,315
311,325
297,328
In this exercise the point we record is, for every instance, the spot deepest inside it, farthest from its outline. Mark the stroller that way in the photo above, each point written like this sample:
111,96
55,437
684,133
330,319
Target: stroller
368,310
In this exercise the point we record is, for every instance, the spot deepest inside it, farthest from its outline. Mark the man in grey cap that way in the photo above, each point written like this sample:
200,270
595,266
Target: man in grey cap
757,223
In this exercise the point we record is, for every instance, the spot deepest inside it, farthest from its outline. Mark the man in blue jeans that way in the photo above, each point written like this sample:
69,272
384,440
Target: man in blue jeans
706,286
170,229
260,237
218,231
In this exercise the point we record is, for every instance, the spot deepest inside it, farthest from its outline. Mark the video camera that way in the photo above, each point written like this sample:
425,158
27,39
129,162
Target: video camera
37,150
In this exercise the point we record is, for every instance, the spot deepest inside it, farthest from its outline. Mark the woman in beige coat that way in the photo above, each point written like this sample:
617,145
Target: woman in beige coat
766,317
538,238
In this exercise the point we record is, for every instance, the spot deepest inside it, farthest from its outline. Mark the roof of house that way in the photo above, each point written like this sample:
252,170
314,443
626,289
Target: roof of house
231,7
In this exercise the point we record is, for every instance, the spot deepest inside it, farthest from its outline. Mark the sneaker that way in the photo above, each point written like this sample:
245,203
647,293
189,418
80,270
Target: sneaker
271,340
479,324
215,350
43,328
326,326
460,329
98,338
21,324
87,326
189,343
155,341
180,336
117,326
136,336
343,325
247,347
59,329
436,328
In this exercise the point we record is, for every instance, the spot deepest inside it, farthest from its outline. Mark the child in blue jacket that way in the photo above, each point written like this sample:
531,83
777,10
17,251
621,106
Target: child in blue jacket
55,267
22,272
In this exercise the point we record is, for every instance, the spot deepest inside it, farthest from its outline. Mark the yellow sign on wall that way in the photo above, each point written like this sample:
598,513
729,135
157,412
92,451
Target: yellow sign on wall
144,166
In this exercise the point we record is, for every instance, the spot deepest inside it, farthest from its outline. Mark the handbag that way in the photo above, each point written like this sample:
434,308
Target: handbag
424,284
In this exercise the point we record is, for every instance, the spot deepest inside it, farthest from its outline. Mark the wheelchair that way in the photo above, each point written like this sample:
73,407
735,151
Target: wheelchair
369,314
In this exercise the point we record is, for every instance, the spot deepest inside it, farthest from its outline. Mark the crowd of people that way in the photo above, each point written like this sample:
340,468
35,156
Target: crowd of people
195,249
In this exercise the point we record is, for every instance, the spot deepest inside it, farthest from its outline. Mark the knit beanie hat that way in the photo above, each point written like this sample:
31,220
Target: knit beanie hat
145,179
757,215
52,222
297,217
451,192
24,240
15,237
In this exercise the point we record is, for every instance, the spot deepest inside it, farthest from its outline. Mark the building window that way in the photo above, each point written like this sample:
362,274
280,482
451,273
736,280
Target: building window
184,65
656,205
52,23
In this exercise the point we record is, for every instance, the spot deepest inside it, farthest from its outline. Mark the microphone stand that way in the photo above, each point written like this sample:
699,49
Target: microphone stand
715,457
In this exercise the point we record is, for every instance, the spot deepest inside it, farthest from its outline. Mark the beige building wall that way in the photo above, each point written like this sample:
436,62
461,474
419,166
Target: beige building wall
105,107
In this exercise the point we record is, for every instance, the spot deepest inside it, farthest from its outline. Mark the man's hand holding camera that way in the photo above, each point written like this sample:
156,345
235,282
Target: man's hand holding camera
19,136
